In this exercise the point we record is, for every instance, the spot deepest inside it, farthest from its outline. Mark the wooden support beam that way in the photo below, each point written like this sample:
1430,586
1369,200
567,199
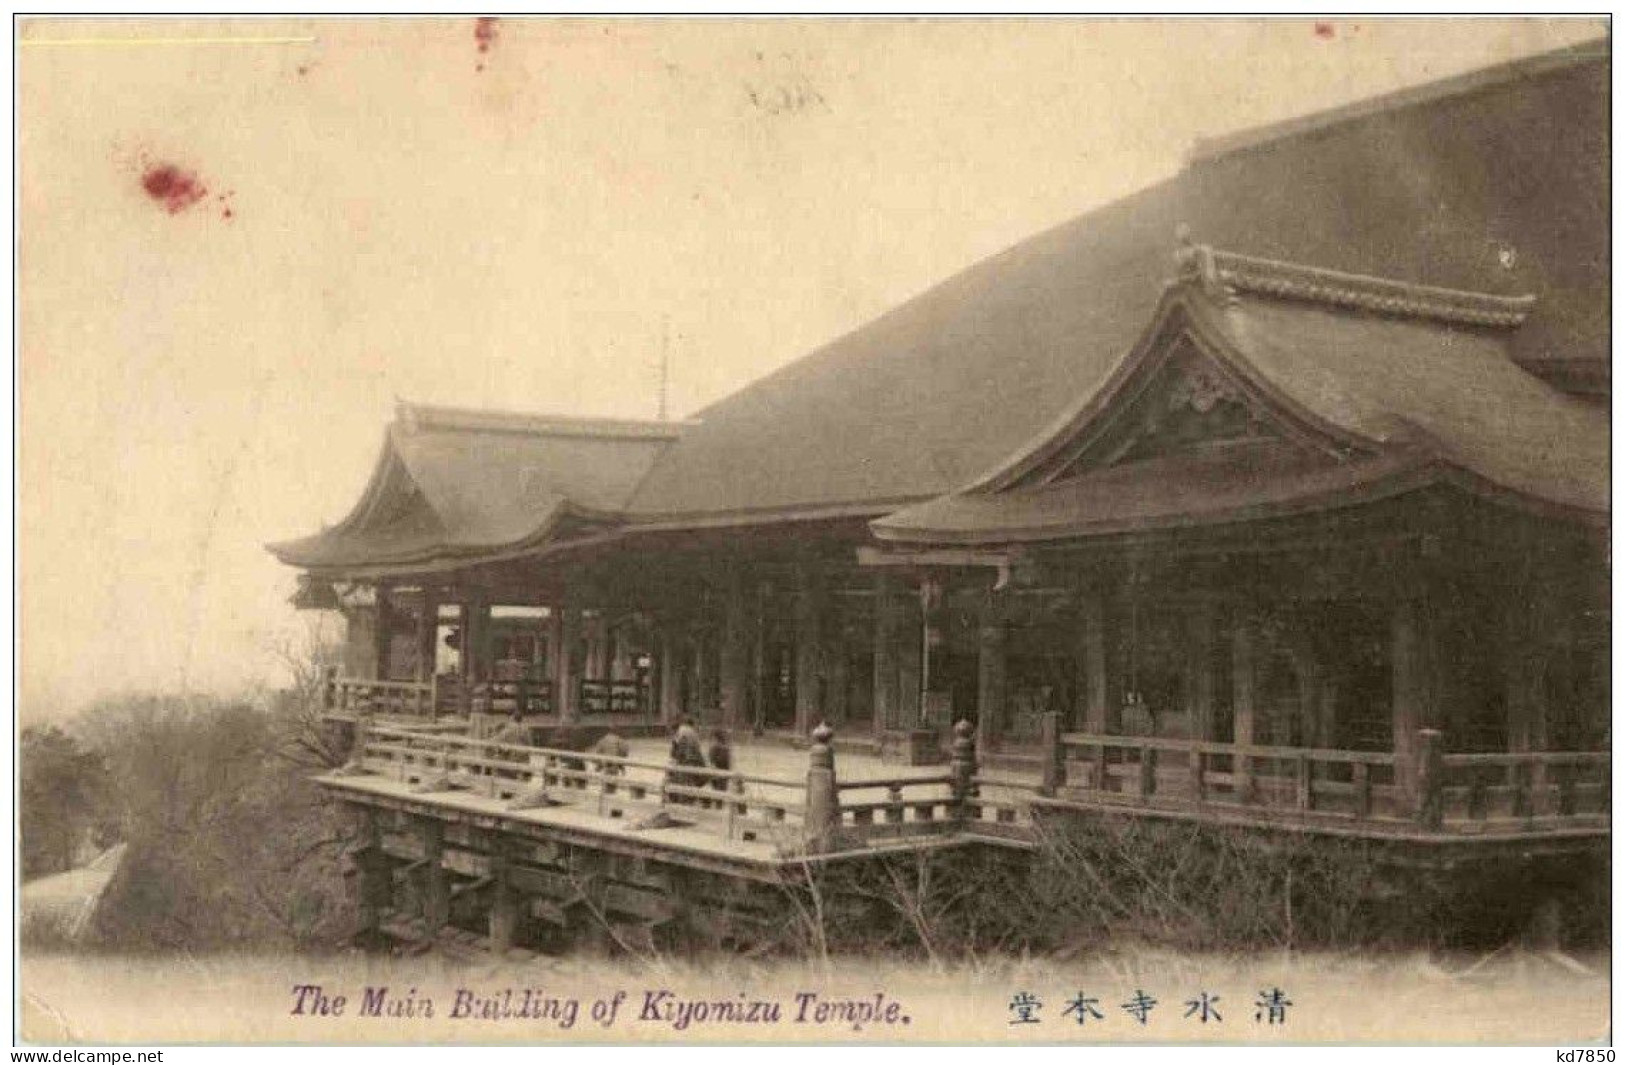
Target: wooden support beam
436,887
374,884
502,920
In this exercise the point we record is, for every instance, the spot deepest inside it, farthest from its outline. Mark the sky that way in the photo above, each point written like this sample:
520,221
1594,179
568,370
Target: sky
243,240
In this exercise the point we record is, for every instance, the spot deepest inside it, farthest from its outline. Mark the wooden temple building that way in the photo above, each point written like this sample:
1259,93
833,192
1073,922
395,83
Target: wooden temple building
1280,484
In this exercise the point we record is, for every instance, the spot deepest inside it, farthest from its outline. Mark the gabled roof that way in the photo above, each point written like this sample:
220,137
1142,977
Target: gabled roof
1348,387
1497,184
453,483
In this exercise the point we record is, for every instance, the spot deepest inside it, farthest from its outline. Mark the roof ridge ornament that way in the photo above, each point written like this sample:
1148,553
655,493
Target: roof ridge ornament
1224,275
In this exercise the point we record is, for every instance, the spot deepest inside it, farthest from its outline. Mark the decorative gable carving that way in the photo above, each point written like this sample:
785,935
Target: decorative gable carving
1185,402
1198,408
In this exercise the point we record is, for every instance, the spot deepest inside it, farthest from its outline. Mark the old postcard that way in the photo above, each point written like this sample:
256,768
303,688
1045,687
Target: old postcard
649,530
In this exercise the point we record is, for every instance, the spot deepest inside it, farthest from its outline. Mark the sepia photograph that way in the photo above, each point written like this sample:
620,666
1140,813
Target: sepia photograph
540,530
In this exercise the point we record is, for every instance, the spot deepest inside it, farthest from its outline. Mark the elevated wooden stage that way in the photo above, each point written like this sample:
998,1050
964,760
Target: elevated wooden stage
528,845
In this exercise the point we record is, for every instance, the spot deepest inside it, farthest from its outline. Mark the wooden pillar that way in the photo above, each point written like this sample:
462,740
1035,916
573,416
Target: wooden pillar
910,657
428,634
699,691
990,672
436,887
1412,687
838,690
756,620
465,640
566,631
1054,768
809,647
671,677
1098,716
1243,697
886,633
1198,679
1525,653
1198,687
382,630
734,659
477,638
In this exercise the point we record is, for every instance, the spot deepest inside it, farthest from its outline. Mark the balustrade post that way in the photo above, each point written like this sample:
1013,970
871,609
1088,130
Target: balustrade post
962,769
356,765
1362,790
823,801
1054,755
894,804
1306,782
1540,794
1148,772
1198,770
1429,774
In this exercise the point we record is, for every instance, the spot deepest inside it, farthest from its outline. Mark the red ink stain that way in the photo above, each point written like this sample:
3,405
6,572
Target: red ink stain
1324,31
485,34
173,187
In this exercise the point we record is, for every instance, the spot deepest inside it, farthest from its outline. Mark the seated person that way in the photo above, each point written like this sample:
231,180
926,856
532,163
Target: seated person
614,746
685,751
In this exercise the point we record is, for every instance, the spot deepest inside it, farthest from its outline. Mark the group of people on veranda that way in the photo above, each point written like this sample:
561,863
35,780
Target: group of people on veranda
686,751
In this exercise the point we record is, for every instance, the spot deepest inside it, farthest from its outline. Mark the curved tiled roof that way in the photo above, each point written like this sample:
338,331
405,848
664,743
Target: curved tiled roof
1401,387
456,483
1500,185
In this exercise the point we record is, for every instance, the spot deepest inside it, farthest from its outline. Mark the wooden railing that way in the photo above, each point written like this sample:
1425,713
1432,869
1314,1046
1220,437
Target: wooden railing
405,697
1435,791
815,815
738,806
1542,786
1356,784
